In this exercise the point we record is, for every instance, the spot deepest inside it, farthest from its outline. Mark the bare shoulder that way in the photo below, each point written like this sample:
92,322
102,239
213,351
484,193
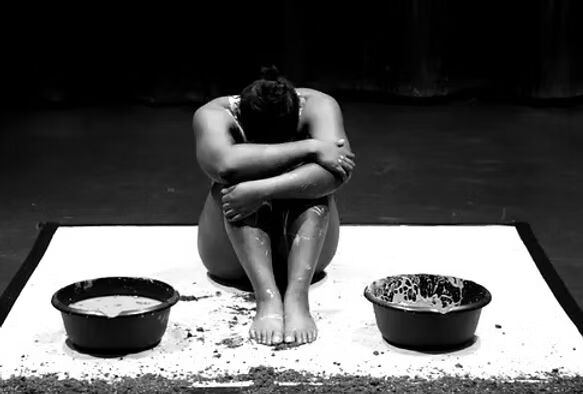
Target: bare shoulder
213,115
322,116
316,98
219,103
319,106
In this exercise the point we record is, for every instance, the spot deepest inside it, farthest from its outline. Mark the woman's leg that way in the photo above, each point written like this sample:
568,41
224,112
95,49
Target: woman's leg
232,251
214,245
312,236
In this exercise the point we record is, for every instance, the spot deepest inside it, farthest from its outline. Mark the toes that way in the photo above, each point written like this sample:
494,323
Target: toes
300,338
269,338
297,338
312,336
289,337
252,334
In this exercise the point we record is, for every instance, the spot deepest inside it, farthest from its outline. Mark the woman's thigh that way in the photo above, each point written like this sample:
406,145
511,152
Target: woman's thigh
214,245
216,250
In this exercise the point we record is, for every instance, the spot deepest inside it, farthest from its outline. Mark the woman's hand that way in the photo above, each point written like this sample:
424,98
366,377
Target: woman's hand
241,200
336,158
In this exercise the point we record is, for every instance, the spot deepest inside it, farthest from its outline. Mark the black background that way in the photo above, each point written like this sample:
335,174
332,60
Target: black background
105,53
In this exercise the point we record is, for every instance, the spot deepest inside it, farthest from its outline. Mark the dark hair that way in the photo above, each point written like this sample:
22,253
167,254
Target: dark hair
269,108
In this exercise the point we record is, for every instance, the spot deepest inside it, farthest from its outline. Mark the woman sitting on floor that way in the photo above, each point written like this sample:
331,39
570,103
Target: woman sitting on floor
275,155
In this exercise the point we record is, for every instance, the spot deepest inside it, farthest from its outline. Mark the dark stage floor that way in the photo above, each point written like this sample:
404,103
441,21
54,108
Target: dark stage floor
451,163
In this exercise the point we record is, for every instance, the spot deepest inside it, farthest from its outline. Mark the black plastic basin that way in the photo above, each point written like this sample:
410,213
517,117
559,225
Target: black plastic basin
403,322
137,330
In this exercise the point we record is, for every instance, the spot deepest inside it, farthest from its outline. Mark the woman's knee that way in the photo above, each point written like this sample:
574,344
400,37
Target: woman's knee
317,209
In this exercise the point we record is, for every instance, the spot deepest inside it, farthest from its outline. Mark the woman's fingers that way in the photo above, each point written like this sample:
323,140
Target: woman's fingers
347,167
236,218
227,190
346,162
348,171
228,210
233,215
340,170
340,142
350,161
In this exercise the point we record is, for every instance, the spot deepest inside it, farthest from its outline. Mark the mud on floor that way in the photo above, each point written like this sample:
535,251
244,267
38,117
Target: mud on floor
268,380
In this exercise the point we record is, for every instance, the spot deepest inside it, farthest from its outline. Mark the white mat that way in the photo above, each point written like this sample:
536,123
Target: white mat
535,337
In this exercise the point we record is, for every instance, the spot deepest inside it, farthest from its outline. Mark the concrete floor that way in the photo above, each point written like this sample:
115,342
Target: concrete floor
461,162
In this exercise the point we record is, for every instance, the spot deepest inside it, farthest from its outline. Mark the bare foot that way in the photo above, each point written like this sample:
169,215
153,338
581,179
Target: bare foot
300,327
267,327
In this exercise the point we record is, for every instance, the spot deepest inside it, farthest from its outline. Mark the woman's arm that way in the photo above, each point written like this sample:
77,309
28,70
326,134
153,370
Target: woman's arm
230,163
308,181
226,162
311,180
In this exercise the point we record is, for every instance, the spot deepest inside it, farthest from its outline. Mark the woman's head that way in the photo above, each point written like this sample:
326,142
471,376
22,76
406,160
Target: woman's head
269,109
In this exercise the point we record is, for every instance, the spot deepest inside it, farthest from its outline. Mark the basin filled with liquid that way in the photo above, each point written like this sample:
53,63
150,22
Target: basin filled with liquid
115,314
427,311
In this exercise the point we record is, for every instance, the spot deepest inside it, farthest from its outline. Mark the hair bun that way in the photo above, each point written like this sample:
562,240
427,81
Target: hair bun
270,73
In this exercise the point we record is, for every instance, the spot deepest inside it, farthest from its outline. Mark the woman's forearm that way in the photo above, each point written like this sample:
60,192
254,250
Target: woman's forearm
309,181
245,162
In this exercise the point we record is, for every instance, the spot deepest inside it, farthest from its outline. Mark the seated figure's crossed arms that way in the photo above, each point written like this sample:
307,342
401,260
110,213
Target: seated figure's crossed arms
275,156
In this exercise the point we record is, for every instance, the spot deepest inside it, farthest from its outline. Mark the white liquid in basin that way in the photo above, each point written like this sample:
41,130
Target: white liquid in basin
114,305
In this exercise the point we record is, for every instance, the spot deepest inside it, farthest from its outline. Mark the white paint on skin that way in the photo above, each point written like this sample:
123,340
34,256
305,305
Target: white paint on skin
300,237
270,293
271,316
320,211
260,240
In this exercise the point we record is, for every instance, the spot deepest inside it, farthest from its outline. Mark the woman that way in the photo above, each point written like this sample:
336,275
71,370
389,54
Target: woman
275,156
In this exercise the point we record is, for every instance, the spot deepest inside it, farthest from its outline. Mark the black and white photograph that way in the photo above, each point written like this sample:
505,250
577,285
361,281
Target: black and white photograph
292,197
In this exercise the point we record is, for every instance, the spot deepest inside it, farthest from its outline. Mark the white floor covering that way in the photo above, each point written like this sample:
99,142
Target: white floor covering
535,334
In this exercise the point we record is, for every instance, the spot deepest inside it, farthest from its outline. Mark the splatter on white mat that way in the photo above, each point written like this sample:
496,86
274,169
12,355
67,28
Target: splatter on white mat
523,332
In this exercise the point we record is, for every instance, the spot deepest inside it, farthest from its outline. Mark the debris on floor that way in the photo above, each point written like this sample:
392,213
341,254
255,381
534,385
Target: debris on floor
268,380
